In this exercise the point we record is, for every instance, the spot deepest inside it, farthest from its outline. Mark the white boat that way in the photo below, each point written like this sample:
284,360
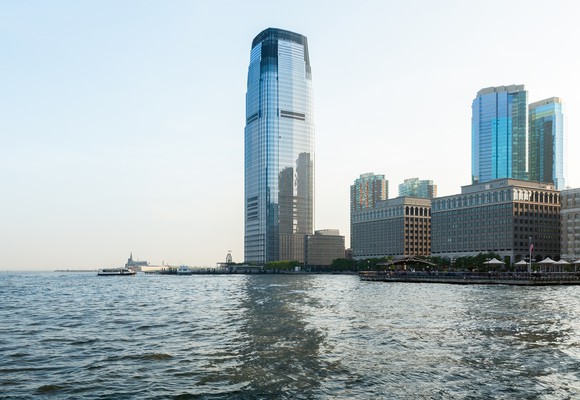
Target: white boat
116,271
184,270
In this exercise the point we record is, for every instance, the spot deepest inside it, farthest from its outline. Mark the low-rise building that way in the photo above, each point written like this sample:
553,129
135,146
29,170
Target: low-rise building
396,227
323,247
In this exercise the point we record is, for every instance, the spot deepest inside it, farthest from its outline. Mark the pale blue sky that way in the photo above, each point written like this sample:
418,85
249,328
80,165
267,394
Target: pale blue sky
122,122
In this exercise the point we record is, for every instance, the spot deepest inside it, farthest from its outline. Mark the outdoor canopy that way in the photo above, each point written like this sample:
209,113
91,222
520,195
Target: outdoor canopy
547,260
494,261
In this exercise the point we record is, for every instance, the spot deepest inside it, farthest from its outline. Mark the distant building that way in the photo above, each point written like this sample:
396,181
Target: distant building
279,148
546,142
323,247
570,214
348,254
498,216
499,134
413,187
135,264
366,192
292,247
396,227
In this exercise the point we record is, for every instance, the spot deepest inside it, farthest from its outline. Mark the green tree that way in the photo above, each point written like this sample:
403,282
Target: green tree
343,264
288,264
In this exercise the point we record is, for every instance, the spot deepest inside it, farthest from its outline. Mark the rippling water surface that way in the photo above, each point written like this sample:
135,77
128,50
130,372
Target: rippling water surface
76,335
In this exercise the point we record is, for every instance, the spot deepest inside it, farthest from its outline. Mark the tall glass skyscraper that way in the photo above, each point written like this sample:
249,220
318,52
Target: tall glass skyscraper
279,148
499,134
546,142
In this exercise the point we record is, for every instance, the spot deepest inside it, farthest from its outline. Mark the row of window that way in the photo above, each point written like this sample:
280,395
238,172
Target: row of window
506,195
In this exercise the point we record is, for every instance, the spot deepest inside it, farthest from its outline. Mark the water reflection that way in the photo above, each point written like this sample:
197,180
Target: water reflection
279,350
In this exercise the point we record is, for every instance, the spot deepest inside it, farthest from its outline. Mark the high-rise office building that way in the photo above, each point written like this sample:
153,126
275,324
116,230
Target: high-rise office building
546,142
413,187
499,134
279,148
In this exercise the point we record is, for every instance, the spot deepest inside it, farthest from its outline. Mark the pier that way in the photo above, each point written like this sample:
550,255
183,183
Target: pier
475,278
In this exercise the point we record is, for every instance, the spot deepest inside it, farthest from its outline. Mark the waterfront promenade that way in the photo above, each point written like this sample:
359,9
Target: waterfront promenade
475,278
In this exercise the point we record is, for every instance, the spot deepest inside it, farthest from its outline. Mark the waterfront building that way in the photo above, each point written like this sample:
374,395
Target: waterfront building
323,247
499,134
397,227
546,142
498,216
413,187
136,265
570,235
279,148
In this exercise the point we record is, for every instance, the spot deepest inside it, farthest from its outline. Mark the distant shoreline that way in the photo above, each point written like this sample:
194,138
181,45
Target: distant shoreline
75,270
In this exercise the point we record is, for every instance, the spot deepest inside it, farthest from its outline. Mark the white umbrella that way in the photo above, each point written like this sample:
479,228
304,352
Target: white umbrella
547,260
522,262
562,262
494,261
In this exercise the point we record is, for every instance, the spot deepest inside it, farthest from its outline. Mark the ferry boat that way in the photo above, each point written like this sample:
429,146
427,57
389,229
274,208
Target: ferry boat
116,271
184,270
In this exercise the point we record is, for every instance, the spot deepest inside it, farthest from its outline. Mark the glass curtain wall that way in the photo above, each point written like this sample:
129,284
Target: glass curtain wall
279,148
546,145
499,134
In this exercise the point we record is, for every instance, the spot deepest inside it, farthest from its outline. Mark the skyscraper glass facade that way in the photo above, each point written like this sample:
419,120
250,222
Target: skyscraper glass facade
546,142
279,148
413,187
499,134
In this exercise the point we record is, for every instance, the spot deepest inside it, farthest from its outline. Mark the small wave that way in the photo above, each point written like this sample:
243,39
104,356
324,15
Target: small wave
19,355
81,342
185,396
49,388
147,327
150,356
157,356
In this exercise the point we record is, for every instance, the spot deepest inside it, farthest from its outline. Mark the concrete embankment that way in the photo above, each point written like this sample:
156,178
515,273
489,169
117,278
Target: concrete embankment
474,278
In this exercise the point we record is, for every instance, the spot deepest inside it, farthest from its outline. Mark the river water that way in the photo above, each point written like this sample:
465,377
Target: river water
76,335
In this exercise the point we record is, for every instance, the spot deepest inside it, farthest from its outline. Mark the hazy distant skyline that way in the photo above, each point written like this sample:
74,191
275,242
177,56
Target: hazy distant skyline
122,123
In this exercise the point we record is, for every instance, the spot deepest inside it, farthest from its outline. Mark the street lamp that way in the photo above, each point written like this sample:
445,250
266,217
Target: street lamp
531,246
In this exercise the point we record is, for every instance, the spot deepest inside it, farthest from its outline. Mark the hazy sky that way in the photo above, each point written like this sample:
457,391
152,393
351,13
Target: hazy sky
122,122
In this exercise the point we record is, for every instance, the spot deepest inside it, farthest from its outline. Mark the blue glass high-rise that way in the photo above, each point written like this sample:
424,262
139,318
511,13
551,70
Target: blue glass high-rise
499,134
546,142
279,148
